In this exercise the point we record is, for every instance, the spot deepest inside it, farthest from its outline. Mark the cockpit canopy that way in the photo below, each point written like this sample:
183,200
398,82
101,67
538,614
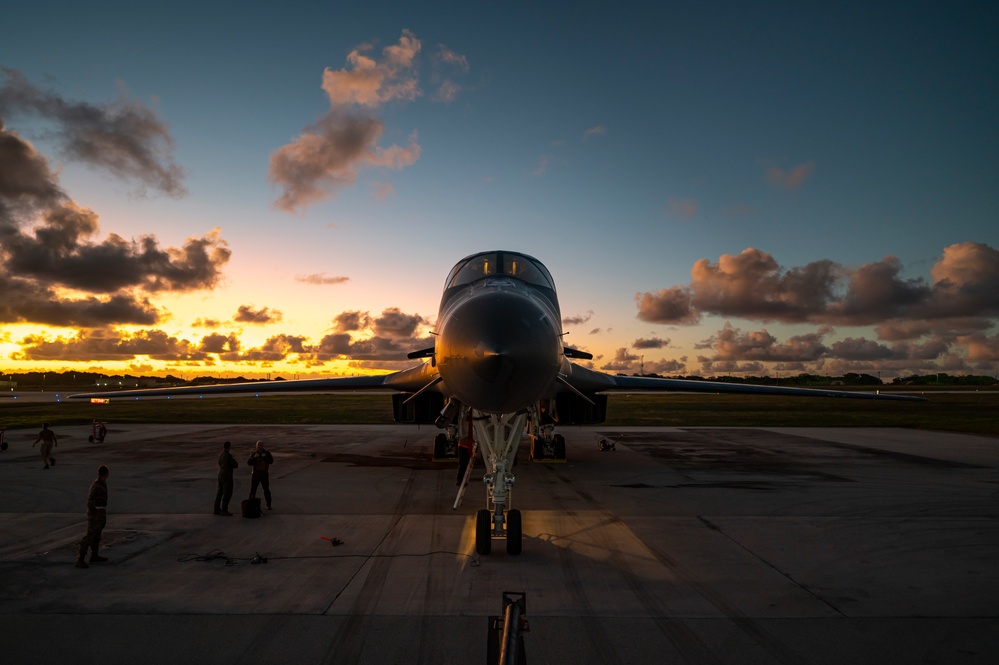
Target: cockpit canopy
511,264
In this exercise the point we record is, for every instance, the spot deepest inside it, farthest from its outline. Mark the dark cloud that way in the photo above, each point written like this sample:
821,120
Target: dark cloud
650,343
577,320
219,343
275,349
735,351
246,314
55,270
623,361
395,324
672,305
354,320
108,345
26,301
26,182
753,286
123,137
731,344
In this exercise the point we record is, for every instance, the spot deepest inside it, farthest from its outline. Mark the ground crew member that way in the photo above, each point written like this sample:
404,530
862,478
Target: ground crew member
48,439
226,464
97,503
260,461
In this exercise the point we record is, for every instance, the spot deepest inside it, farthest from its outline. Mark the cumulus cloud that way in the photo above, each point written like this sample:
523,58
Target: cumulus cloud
263,316
650,343
381,341
360,336
753,286
105,344
623,361
124,137
578,319
56,270
945,320
671,305
331,152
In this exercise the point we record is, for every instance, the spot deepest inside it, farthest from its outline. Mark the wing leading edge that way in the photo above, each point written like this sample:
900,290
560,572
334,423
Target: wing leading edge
408,381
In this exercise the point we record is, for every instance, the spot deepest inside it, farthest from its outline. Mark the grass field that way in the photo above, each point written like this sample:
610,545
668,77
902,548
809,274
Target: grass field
971,411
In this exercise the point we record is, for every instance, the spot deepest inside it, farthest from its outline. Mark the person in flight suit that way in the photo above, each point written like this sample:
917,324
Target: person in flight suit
97,503
260,461
226,464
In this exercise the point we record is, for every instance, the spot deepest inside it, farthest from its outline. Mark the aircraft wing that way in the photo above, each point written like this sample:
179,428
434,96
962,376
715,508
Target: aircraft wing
588,381
407,380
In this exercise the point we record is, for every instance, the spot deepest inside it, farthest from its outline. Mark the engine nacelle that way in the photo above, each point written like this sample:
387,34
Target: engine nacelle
423,410
572,409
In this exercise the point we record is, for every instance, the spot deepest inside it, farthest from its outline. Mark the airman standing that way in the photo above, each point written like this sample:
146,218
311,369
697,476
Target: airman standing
260,461
97,503
226,464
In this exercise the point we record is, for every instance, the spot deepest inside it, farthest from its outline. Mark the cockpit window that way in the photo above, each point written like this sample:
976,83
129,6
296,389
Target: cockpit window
512,264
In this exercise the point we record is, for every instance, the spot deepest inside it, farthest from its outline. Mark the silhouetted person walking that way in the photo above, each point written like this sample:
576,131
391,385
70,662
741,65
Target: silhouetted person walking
49,440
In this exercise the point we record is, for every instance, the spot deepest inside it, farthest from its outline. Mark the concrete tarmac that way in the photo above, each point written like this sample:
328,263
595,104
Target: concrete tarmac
683,545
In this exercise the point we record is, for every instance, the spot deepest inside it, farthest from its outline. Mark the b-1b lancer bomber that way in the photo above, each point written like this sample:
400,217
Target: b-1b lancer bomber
498,369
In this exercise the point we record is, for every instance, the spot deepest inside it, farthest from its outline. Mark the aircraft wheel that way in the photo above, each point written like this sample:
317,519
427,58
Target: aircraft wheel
514,532
440,446
558,442
483,532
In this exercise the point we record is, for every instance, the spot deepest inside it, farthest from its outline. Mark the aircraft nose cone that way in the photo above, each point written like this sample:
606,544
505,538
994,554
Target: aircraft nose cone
498,351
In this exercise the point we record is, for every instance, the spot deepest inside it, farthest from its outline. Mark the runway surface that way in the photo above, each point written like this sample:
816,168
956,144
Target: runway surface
683,545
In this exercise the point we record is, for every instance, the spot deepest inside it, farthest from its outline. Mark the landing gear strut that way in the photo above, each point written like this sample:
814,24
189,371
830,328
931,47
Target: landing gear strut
498,437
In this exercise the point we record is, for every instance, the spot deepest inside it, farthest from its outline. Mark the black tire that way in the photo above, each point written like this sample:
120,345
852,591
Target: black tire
440,446
514,532
483,532
90,438
558,442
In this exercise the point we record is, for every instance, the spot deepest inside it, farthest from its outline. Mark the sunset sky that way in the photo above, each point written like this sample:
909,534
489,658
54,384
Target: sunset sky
281,188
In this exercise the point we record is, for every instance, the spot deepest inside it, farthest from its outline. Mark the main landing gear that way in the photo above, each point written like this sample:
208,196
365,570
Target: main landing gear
546,445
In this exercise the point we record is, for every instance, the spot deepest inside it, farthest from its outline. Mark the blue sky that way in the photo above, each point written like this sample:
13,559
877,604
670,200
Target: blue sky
852,149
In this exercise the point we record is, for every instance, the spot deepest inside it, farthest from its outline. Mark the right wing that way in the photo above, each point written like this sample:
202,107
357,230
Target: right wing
588,381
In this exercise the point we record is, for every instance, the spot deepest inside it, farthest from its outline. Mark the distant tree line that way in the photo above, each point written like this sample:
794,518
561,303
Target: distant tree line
848,379
86,381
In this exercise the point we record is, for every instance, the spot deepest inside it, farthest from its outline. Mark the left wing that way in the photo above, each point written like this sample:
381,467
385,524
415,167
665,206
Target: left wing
410,380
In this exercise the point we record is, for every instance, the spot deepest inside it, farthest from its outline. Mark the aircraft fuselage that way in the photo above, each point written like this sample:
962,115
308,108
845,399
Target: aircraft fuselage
499,345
